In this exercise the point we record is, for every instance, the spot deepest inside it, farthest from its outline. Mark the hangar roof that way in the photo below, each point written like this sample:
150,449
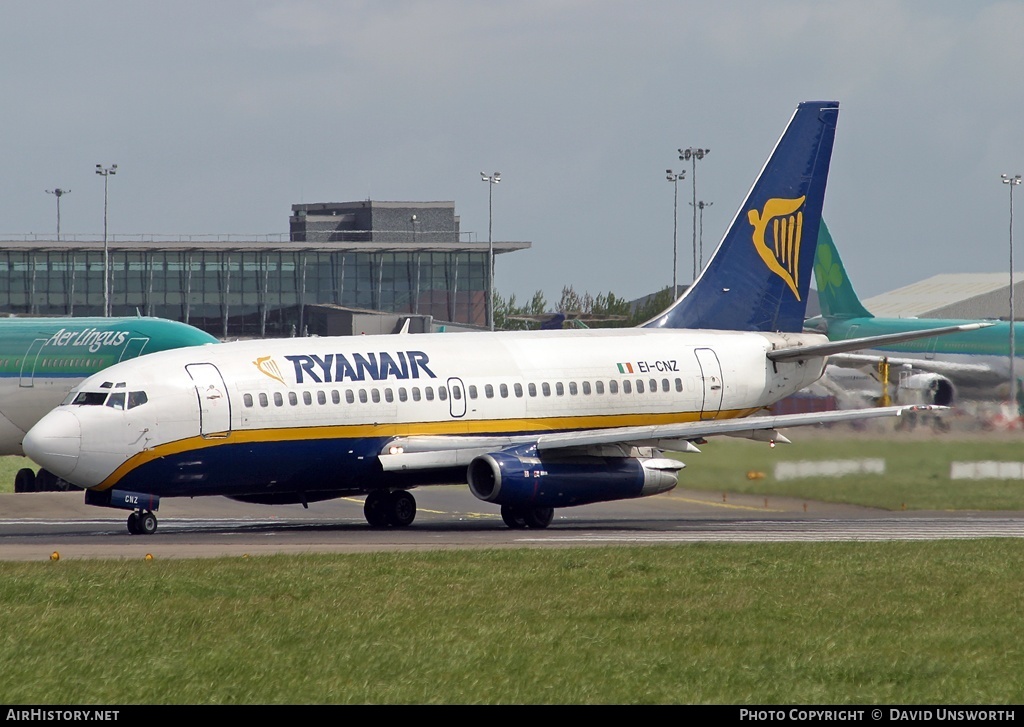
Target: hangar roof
949,295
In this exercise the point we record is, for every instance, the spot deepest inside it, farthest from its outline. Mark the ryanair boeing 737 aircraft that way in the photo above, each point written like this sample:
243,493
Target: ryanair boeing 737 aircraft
530,420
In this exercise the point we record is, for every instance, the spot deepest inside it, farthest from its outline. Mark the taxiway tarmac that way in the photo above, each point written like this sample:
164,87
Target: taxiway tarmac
33,526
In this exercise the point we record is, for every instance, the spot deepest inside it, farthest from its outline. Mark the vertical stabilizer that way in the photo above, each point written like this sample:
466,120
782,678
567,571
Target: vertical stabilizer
758,277
835,292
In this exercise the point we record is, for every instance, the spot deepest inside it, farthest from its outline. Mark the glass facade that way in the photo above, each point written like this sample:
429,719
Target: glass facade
246,291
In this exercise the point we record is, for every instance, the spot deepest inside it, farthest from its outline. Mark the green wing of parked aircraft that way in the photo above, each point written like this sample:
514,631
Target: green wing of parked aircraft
42,359
935,370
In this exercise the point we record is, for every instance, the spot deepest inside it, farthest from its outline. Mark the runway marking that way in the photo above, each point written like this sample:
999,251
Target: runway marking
726,505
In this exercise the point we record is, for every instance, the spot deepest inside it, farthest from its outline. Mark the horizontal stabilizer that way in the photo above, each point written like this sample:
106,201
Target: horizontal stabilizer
799,353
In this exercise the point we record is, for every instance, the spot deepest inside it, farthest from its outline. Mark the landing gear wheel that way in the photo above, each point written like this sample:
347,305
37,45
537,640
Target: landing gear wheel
46,481
375,508
539,517
147,523
142,523
25,480
402,509
513,517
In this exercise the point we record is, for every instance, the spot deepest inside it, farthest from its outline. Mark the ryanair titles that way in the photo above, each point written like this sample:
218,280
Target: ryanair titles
361,367
90,338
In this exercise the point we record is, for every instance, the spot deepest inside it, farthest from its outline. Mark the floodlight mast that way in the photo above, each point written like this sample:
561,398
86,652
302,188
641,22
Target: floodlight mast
692,155
58,193
1012,182
491,179
106,172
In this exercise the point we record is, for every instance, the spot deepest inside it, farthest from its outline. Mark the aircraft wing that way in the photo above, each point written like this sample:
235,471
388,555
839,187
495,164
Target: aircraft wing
978,373
430,452
798,353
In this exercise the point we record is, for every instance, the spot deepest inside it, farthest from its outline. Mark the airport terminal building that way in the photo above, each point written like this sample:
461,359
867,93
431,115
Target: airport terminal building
395,257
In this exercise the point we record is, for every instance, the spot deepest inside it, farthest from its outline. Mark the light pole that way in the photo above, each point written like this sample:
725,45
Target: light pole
106,172
1012,182
700,233
58,193
674,178
491,180
692,155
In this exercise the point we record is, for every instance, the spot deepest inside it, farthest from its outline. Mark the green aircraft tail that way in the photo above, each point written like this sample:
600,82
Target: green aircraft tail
835,293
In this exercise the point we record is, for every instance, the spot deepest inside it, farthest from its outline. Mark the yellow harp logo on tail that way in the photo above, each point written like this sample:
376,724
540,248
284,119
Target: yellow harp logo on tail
267,365
779,246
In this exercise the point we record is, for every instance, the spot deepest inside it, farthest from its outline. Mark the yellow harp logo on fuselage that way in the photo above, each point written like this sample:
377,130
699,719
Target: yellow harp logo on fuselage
267,365
781,253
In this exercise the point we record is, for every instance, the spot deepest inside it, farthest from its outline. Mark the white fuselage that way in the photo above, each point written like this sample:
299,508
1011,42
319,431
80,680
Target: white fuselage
314,413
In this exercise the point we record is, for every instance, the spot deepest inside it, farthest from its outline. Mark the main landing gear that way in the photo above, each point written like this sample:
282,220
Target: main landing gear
528,517
142,522
395,507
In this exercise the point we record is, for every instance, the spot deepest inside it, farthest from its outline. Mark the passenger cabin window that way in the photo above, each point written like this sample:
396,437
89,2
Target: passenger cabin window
264,401
572,388
472,392
247,400
350,398
503,390
532,388
488,391
307,398
599,387
545,388
519,390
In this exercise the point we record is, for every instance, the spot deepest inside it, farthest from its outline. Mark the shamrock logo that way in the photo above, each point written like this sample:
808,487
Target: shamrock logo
827,272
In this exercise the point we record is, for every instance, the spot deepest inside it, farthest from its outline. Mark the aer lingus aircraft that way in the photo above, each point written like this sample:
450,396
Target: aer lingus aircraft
42,359
930,370
530,420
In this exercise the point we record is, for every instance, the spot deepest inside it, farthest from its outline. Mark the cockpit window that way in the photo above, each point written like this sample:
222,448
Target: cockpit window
115,400
90,398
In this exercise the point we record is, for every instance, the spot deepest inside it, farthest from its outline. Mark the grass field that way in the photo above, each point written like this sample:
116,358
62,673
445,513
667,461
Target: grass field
830,623
916,476
799,623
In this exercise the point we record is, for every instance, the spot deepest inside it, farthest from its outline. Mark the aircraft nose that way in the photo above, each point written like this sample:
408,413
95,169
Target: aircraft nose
55,442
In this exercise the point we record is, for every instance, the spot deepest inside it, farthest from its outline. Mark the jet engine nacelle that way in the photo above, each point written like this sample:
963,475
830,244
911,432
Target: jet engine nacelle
925,389
521,479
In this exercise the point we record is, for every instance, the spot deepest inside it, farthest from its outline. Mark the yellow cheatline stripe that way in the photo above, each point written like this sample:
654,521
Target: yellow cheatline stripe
538,426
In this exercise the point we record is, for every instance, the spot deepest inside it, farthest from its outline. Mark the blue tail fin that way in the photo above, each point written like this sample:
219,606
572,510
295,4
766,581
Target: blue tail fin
758,278
835,291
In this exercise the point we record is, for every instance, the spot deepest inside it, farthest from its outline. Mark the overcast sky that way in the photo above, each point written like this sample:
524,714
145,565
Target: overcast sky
221,115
